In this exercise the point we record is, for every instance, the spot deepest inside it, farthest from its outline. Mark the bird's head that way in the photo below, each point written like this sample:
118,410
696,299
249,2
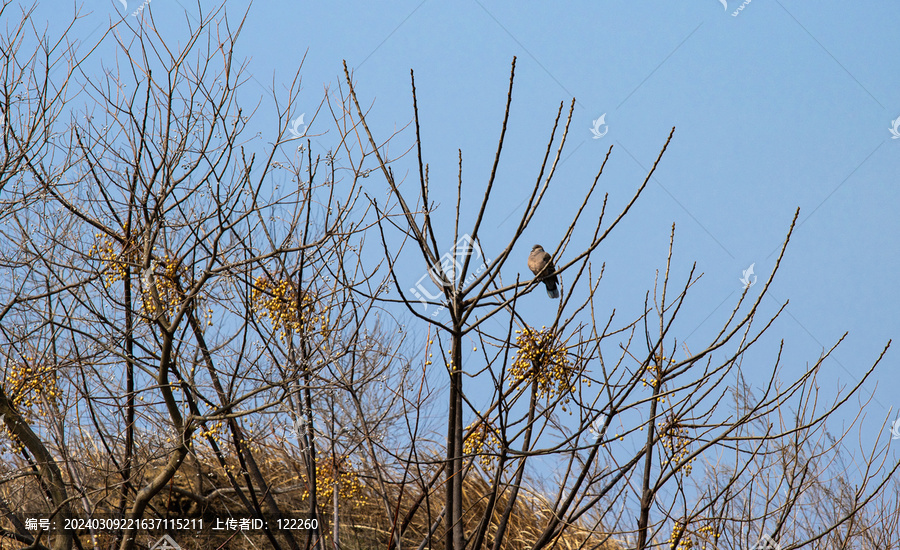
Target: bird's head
536,247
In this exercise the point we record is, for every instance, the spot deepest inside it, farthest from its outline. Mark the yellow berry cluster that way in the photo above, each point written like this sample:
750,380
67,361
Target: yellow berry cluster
686,542
29,386
214,431
113,267
544,358
248,444
26,382
482,442
706,533
677,442
349,485
654,369
278,301
207,316
168,288
234,469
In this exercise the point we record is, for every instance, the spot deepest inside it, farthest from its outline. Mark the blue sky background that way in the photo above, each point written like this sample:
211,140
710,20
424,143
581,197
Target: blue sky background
786,104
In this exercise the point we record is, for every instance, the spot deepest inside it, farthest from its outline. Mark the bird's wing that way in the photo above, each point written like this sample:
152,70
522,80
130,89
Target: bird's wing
547,262
534,262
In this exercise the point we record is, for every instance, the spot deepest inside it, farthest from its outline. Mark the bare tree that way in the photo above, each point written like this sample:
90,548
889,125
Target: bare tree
669,412
199,320
186,290
31,103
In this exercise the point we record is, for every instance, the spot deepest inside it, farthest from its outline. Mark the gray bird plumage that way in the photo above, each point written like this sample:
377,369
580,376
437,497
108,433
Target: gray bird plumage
540,263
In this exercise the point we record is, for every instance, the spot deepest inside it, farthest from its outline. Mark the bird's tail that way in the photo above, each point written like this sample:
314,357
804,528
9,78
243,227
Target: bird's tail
552,290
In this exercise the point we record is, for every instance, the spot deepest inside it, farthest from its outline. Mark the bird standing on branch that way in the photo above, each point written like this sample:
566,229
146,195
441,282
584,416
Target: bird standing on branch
540,263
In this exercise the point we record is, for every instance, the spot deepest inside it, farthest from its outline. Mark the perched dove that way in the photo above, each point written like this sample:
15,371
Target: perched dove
540,263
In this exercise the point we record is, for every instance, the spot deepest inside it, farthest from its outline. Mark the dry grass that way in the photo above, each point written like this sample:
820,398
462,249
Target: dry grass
201,489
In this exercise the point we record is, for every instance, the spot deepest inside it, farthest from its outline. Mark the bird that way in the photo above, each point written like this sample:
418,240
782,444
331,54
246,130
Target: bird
540,263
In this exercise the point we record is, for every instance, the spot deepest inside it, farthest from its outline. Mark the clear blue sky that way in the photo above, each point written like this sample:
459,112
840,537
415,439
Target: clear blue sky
787,104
